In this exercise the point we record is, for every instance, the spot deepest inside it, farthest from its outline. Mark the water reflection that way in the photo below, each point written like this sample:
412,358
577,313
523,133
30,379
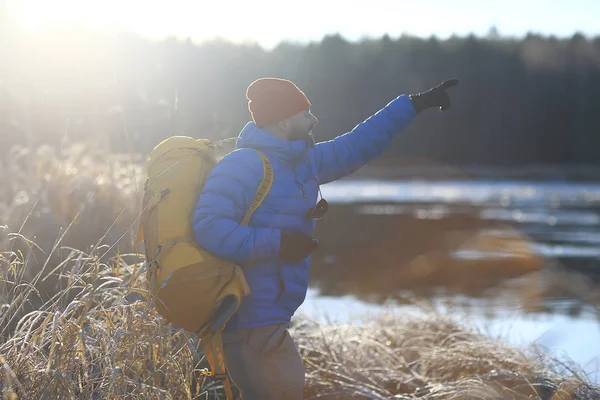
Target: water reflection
532,245
519,259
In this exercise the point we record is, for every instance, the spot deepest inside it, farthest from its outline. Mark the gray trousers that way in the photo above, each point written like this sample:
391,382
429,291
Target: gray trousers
264,363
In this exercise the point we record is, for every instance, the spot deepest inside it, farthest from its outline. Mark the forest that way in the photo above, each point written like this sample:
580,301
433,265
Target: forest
521,102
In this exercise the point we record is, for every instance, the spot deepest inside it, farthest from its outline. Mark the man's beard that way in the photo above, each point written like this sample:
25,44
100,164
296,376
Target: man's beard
298,135
301,134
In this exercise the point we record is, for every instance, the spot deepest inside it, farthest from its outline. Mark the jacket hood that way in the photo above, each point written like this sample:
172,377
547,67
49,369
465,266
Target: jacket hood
254,137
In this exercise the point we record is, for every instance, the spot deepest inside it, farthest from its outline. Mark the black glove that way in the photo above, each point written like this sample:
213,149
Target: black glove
435,97
293,247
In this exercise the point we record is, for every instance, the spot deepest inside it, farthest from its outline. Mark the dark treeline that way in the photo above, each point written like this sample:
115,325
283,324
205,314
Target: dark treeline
533,100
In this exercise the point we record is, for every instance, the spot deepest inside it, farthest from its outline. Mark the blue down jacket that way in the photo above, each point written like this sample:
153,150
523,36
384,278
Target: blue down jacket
299,167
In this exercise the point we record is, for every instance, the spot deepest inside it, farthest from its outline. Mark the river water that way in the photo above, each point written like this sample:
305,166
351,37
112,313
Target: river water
518,259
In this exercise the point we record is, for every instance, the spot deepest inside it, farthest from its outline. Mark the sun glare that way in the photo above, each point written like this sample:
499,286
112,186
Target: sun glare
235,20
33,16
182,18
243,20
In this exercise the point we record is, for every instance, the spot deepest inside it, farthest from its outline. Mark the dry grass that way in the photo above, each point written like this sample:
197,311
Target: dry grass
430,356
104,342
108,342
76,322
80,195
56,204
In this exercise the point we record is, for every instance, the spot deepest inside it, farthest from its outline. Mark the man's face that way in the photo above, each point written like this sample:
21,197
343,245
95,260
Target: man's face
299,126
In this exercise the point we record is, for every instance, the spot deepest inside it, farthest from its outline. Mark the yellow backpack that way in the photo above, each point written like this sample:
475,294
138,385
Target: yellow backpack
192,288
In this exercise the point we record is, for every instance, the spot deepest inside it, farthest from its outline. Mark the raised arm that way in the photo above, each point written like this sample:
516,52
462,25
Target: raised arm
343,155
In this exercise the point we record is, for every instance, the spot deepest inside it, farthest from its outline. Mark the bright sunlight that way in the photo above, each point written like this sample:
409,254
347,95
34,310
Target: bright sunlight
268,22
234,20
264,21
150,19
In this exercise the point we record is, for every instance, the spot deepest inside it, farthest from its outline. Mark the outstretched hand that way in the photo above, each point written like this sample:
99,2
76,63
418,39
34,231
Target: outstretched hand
434,97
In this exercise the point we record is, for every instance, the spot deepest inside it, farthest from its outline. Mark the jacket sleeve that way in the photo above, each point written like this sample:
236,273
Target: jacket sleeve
228,192
343,155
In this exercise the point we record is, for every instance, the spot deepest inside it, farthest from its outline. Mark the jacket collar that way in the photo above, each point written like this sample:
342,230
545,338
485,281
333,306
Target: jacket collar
256,138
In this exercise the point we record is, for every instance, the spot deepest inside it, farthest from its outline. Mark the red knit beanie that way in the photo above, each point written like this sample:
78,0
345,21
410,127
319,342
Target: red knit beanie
272,100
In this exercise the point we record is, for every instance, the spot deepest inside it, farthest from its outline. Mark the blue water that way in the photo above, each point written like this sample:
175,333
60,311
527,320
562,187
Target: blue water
472,192
561,221
565,217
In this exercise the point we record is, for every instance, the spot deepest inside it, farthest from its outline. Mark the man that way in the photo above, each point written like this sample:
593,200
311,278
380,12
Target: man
274,248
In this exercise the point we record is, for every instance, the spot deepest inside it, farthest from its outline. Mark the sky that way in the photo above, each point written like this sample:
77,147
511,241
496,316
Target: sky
268,22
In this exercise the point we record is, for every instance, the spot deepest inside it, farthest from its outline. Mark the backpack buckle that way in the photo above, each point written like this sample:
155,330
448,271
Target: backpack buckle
219,377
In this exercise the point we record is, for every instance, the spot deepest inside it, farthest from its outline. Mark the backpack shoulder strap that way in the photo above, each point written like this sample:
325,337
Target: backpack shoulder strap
263,188
213,347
